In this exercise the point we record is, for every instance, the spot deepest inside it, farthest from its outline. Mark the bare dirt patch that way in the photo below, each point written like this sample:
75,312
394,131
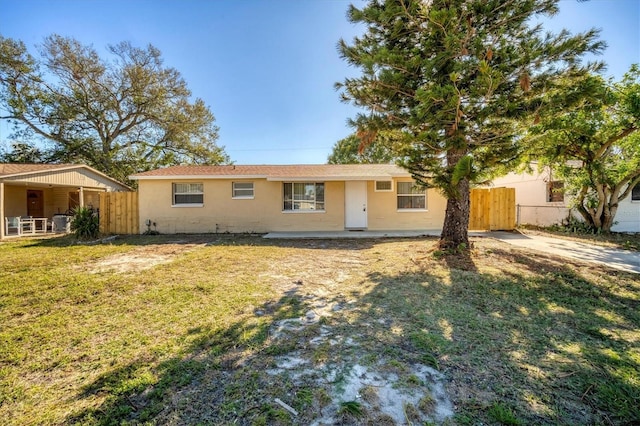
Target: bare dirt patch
375,392
331,356
335,360
140,259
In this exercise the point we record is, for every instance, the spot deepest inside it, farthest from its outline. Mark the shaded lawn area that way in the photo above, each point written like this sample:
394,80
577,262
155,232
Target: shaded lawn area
207,330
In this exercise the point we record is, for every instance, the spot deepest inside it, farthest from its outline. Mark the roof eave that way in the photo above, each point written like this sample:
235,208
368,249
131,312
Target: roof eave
330,178
191,177
64,168
31,172
271,178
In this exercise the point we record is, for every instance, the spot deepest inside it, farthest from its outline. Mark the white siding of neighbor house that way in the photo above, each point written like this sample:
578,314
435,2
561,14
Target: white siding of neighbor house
74,178
534,209
628,216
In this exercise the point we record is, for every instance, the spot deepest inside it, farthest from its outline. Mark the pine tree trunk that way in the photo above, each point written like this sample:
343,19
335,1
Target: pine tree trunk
456,220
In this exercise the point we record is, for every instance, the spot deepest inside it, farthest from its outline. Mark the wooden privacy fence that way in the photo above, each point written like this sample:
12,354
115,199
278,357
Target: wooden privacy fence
493,209
119,213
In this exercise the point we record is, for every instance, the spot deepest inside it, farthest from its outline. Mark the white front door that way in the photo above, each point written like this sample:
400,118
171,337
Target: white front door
355,204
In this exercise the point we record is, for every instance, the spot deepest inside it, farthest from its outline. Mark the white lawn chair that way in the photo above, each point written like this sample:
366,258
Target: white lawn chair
12,223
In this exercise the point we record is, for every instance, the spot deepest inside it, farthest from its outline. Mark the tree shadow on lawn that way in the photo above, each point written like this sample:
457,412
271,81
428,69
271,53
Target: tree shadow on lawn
540,341
534,343
217,239
213,363
590,330
462,260
232,374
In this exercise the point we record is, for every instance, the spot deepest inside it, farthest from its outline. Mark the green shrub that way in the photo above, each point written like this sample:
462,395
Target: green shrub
576,226
85,223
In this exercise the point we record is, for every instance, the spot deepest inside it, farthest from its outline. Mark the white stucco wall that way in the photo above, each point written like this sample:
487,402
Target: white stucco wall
532,207
628,216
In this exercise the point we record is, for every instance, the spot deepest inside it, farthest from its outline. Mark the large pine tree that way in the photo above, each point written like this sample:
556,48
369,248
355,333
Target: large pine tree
455,77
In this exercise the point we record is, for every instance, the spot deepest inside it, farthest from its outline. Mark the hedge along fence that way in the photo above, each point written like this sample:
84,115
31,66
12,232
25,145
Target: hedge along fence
493,209
119,213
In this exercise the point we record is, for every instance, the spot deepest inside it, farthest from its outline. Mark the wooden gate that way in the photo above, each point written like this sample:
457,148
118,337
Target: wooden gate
119,213
493,209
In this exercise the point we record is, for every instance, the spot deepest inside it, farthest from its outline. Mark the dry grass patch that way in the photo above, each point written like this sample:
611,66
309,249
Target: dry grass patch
140,258
359,332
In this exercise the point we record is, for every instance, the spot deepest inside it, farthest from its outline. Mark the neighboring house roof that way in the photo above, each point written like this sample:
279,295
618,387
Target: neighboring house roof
296,172
10,169
14,171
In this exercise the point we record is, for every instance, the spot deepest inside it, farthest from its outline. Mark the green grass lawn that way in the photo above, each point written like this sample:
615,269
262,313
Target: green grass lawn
205,330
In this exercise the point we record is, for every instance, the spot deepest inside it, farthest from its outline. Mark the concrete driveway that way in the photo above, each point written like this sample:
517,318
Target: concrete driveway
624,260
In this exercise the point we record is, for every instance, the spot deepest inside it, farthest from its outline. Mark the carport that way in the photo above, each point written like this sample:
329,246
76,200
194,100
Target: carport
32,194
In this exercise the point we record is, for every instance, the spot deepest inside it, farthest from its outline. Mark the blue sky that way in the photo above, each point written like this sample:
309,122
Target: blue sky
266,68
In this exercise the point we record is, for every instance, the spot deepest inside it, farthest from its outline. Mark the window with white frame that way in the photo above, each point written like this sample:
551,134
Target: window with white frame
242,189
188,194
555,191
635,193
303,196
384,186
411,197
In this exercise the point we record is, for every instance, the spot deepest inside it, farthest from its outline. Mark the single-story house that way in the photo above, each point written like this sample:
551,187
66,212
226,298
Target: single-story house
541,201
282,198
40,191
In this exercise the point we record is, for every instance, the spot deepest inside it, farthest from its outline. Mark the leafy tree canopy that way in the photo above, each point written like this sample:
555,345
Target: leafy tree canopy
22,153
356,149
122,115
589,136
455,77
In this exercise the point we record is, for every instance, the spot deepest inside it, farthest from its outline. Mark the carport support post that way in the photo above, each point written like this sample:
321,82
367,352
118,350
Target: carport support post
2,210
